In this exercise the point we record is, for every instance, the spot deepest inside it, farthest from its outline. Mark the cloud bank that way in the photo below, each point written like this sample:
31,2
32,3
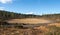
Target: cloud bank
5,1
29,13
2,8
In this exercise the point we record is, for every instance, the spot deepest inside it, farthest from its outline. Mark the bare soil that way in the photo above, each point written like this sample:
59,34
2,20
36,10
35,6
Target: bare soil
29,20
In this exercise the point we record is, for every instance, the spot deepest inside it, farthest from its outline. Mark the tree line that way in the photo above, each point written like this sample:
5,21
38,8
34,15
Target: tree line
12,15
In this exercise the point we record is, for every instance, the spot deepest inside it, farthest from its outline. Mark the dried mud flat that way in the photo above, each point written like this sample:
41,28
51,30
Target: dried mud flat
29,20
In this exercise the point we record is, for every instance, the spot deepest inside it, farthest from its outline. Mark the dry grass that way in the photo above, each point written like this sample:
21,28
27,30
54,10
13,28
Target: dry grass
42,28
55,24
14,31
50,29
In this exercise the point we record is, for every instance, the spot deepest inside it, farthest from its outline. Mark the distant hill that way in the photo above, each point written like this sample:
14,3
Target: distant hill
52,16
4,15
11,15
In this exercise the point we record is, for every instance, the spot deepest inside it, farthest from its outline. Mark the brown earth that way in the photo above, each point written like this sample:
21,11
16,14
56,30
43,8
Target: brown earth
29,20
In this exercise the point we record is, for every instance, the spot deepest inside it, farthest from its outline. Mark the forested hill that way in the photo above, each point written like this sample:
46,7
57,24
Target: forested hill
52,16
11,15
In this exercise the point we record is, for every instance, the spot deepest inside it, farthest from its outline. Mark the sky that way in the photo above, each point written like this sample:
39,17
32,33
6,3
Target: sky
38,7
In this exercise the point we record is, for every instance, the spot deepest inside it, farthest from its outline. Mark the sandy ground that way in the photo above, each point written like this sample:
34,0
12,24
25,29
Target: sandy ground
29,20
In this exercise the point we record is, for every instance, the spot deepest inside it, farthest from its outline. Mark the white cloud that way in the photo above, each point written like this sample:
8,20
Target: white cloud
2,8
30,13
5,1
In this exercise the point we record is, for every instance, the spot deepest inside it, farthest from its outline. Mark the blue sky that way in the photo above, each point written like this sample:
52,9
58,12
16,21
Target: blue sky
37,7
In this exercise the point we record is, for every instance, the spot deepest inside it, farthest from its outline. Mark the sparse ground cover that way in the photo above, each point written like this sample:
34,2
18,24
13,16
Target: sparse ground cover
41,30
